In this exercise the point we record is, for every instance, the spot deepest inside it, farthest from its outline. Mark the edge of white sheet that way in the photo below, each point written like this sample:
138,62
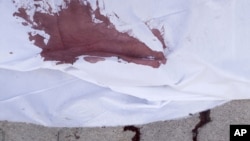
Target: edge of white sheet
207,64
52,98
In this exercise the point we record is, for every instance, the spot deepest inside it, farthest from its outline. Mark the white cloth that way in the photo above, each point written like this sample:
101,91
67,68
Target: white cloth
207,64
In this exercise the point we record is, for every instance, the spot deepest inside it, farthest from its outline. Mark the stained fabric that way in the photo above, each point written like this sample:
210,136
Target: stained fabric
130,60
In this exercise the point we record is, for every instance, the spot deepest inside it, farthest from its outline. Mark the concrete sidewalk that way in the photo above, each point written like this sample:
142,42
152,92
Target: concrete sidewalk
235,112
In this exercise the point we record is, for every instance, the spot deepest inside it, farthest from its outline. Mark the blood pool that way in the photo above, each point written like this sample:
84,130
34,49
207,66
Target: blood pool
74,33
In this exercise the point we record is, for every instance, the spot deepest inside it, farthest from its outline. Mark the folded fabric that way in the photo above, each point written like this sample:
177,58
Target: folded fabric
183,50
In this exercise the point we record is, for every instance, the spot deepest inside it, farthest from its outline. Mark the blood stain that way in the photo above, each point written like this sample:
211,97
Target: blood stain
73,33
204,119
137,135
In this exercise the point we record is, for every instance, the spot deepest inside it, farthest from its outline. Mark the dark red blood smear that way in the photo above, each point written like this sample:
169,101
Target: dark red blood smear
134,129
22,13
204,119
39,40
73,33
93,59
158,34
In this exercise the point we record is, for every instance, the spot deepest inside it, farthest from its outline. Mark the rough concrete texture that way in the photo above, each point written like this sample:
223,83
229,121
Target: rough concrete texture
27,132
1,135
235,112
175,130
94,134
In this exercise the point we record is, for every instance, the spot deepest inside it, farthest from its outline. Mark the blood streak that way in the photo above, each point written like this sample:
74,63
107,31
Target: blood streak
73,33
157,34
93,59
204,119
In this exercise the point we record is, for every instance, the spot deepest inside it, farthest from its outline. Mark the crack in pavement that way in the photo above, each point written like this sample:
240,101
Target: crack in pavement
204,119
137,136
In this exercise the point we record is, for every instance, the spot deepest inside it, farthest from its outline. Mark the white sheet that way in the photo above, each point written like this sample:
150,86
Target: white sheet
207,64
52,98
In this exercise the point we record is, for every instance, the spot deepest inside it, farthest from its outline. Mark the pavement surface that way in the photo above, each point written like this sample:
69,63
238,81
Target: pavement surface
211,125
